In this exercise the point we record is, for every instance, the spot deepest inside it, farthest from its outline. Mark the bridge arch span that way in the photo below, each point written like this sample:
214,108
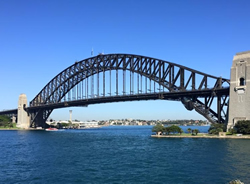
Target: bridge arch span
187,84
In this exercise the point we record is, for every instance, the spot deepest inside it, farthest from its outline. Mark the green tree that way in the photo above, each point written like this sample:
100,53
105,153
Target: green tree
158,128
175,129
216,128
189,130
180,131
243,126
216,131
196,131
3,124
167,130
232,131
4,119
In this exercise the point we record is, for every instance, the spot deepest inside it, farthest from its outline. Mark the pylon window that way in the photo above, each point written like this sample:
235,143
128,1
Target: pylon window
242,81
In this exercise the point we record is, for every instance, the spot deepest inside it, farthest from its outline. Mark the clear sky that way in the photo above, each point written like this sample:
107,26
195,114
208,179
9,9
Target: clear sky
40,38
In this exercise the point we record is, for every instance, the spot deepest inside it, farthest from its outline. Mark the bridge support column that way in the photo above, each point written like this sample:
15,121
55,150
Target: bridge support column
38,117
13,119
239,99
23,120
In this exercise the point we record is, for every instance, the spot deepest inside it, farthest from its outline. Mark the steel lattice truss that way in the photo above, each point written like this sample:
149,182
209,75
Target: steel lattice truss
126,77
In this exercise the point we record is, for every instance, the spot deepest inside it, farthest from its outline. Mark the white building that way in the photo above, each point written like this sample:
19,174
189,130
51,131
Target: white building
88,124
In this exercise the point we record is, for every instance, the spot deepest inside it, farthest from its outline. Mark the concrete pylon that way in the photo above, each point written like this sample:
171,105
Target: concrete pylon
70,115
239,96
13,119
23,120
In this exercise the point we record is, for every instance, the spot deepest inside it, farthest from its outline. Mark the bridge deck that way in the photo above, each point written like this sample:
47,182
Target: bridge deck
137,97
10,111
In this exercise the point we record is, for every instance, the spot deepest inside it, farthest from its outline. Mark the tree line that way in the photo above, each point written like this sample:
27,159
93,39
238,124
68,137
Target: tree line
5,122
167,130
241,127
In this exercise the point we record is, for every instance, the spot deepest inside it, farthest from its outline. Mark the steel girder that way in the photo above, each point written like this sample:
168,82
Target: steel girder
9,112
176,78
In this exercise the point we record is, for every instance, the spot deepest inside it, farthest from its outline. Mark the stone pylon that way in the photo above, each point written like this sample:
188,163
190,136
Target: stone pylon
23,120
239,104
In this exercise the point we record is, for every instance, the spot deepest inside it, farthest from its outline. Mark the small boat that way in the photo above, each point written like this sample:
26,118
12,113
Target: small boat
51,129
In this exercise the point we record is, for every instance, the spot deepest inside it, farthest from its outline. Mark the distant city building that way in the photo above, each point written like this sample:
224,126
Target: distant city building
127,122
88,124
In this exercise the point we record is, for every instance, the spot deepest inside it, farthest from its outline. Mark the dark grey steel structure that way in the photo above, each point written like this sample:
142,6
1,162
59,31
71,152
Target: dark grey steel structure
127,77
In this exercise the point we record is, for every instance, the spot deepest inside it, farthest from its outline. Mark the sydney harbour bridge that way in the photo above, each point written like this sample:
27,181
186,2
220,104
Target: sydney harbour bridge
127,77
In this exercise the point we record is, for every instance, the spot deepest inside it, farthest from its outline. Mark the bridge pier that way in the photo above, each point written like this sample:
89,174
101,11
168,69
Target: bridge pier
39,118
13,118
239,104
23,119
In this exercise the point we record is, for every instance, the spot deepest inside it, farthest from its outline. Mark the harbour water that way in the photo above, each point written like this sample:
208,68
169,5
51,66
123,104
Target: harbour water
120,154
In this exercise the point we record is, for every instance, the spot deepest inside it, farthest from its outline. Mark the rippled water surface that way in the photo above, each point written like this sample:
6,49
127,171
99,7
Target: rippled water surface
125,154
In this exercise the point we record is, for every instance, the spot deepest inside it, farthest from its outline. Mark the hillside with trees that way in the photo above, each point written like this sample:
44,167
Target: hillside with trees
5,122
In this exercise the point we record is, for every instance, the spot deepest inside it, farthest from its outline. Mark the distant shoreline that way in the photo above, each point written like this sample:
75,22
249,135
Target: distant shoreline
13,129
18,129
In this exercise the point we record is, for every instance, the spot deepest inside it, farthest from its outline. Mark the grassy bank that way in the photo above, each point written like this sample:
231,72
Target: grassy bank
235,136
10,126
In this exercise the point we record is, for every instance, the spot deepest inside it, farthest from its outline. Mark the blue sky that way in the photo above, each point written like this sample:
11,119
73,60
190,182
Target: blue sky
40,38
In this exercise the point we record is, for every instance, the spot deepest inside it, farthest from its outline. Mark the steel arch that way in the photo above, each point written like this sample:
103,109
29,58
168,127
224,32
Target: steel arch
169,75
